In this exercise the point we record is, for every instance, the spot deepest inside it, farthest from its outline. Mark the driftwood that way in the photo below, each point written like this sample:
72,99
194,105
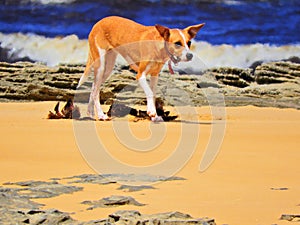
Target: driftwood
121,110
69,111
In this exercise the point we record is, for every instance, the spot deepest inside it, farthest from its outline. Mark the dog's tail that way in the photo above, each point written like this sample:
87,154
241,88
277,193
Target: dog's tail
86,70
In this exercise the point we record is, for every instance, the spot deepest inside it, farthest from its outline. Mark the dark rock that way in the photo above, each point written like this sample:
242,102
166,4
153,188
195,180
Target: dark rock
280,189
43,189
171,218
112,201
255,64
233,76
293,59
17,208
132,188
11,199
277,72
51,216
290,217
6,56
90,178
123,178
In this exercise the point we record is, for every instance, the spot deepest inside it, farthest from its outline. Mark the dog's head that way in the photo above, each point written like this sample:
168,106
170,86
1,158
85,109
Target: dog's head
179,40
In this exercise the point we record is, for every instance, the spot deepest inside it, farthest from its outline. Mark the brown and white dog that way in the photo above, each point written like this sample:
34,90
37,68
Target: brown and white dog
145,48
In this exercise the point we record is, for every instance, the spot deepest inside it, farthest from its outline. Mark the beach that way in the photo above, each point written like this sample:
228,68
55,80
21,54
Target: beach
227,152
253,179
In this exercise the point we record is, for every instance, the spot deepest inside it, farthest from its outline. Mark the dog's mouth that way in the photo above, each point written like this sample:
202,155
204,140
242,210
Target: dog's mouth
175,59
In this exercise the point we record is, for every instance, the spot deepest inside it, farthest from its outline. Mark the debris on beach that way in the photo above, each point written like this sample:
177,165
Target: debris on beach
69,111
121,110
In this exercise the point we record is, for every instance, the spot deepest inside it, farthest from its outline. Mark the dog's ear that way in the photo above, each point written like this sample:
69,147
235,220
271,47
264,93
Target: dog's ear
163,31
193,30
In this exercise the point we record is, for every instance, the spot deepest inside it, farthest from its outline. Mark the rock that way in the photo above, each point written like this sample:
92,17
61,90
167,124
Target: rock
233,76
293,59
290,217
255,64
16,206
131,188
35,81
51,216
90,178
112,201
170,218
133,179
277,72
11,199
43,189
273,84
279,188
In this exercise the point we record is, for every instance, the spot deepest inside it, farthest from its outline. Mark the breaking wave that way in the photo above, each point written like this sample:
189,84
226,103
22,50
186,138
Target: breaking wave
71,49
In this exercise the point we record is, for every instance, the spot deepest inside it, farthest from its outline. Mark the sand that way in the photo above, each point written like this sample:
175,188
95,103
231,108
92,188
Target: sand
259,153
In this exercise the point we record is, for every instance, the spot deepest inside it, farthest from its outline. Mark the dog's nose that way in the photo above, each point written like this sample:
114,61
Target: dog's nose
189,56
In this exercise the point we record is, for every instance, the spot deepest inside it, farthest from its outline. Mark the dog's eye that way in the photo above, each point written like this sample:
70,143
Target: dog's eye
178,44
189,44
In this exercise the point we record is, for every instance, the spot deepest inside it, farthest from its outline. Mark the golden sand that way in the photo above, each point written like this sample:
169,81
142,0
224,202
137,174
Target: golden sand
260,151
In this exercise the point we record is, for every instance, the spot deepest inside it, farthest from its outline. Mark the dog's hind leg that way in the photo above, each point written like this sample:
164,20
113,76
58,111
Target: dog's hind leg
99,68
110,59
102,69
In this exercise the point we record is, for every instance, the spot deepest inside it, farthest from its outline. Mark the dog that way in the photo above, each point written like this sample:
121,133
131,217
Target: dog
145,48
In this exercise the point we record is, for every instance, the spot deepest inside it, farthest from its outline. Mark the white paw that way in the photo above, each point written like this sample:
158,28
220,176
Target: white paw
157,119
151,111
103,117
90,113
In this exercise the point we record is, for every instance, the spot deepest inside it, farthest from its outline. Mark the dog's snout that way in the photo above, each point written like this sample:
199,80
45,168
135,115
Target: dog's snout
189,56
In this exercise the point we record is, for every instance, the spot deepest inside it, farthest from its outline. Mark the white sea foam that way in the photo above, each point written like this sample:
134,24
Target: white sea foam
51,51
243,55
46,2
70,49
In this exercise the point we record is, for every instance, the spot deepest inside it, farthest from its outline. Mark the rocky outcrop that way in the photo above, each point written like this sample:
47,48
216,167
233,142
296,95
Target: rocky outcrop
170,218
277,72
33,81
273,84
17,204
233,76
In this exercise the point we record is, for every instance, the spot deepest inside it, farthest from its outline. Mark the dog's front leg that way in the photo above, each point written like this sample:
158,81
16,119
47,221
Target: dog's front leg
151,110
153,84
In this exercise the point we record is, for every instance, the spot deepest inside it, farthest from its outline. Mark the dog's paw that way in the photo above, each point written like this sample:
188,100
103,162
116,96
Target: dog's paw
157,119
90,113
151,112
103,117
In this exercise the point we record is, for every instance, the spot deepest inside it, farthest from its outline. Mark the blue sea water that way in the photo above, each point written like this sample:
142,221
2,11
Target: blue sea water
233,22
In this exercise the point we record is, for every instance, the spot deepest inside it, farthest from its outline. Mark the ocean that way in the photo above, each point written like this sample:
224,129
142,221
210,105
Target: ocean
237,33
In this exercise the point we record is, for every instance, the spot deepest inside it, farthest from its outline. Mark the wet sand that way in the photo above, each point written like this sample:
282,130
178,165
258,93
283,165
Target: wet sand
259,156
